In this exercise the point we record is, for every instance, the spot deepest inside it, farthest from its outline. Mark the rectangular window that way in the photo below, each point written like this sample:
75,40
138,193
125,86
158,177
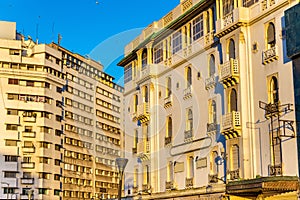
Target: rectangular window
11,143
176,42
158,53
13,81
128,73
11,127
10,174
12,112
9,158
198,27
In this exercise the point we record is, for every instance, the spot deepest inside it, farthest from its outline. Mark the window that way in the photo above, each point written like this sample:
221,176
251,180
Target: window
12,112
56,192
228,6
9,158
27,175
212,68
169,87
30,83
189,122
231,49
43,175
28,144
12,127
188,76
146,94
233,100
176,42
158,53
136,138
144,58
11,143
43,191
273,91
235,157
136,102
198,27
13,81
8,174
135,177
275,143
271,41
128,73
146,175
169,127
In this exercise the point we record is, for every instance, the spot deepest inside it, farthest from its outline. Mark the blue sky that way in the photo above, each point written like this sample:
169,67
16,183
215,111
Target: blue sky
98,28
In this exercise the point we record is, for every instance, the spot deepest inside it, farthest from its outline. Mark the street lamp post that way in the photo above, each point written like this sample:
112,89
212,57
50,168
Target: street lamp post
7,188
121,163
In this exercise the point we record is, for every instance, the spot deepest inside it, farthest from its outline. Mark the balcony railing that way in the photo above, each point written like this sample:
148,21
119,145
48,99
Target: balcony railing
168,100
28,181
275,170
234,174
189,182
188,135
213,178
231,124
168,140
28,149
270,55
210,82
29,119
187,92
230,73
211,128
170,185
31,134
143,112
28,165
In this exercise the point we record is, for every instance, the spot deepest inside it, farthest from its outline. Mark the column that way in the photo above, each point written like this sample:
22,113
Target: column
188,27
149,53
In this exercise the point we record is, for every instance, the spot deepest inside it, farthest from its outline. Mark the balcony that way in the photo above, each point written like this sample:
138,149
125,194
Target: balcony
149,71
275,170
170,185
28,181
210,82
234,174
270,55
211,128
143,150
28,165
212,178
31,134
233,20
188,135
143,112
168,140
231,125
230,73
29,119
168,101
189,182
187,92
28,149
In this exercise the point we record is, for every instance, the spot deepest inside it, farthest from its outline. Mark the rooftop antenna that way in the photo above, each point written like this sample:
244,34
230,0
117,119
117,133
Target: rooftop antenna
59,39
37,30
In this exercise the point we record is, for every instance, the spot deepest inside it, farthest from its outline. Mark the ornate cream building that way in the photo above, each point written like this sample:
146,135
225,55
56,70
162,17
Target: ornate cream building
208,104
61,122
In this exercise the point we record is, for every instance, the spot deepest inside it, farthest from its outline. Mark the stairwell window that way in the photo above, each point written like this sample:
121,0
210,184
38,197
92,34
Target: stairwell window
231,49
213,164
170,171
273,90
188,77
233,100
212,68
189,120
235,157
169,87
169,127
190,163
212,117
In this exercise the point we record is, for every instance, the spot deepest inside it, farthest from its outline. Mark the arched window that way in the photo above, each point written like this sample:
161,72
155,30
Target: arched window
169,127
144,58
213,164
212,68
233,100
235,157
212,112
274,91
188,77
169,87
271,41
189,123
228,6
231,49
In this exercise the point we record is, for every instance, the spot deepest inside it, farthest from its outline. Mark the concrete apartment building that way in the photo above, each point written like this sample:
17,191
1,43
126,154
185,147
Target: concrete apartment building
209,104
61,122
